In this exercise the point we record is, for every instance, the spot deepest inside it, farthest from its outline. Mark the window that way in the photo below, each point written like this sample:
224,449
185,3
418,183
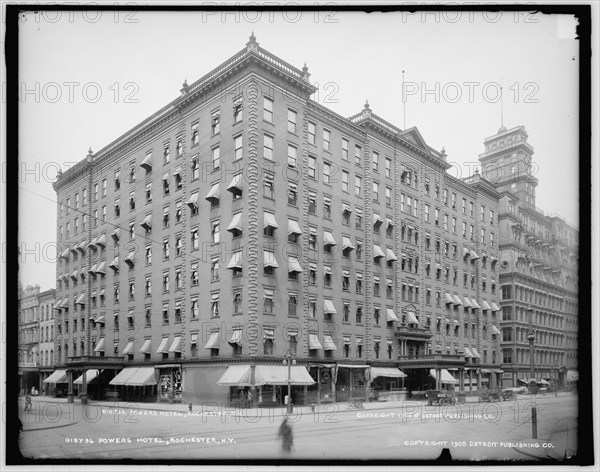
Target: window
237,109
357,155
358,314
292,304
312,309
345,177
216,157
165,248
358,217
471,209
327,276
388,196
445,196
482,236
268,300
375,191
326,139
437,217
131,290
268,109
491,217
237,302
359,250
215,122
482,213
388,167
292,194
346,281
166,153
445,221
194,308
215,232
312,167
269,185
291,121
149,192
148,254
312,133
357,185
326,172
268,147
238,150
312,274
148,286
359,279
194,238
194,273
426,212
312,202
471,232
454,225
179,147
214,269
292,151
327,207
178,212
375,159
195,134
165,314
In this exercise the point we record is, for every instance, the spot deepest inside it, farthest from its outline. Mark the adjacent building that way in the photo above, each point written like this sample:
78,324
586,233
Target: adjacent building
538,268
35,327
244,222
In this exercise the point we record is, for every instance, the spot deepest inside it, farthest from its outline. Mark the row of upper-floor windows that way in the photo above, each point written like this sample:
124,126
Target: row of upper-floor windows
538,318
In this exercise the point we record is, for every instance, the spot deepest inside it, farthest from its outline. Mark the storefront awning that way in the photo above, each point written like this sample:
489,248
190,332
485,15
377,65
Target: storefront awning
58,376
313,342
391,372
135,377
236,375
446,376
391,316
240,375
90,375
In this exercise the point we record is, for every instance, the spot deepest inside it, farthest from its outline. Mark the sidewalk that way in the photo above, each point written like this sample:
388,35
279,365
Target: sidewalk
255,411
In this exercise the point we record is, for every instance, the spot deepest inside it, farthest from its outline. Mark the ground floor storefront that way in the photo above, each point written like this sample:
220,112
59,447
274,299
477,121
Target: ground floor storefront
561,377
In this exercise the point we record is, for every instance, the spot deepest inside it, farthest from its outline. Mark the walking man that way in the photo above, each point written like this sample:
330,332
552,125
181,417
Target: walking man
287,436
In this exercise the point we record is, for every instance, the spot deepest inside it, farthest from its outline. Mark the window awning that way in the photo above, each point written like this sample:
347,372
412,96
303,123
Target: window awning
389,222
236,223
313,342
90,375
58,376
457,300
236,183
391,316
116,234
56,306
328,239
80,299
74,274
128,348
269,259
294,264
411,318
236,338
329,308
376,219
269,221
130,259
474,303
268,333
99,345
293,227
102,266
93,242
102,240
390,255
446,377
390,372
467,302
495,307
100,319
146,346
346,208
495,330
162,347
377,252
236,261
65,303
213,341
449,299
346,243
193,201
213,193
466,252
328,344
468,352
165,176
485,305
146,224
474,255
327,270
81,246
147,162
135,377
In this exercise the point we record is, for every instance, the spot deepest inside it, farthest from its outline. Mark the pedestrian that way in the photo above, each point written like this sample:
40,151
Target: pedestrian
27,402
287,436
249,399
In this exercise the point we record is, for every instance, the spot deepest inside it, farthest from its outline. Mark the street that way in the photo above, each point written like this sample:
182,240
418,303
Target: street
402,431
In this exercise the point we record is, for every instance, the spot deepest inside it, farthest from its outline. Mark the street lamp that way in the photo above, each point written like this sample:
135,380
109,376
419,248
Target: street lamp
531,338
289,359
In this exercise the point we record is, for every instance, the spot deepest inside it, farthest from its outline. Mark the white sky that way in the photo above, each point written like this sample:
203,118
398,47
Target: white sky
139,63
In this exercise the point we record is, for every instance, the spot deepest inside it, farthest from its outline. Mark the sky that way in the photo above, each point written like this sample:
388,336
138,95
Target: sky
88,77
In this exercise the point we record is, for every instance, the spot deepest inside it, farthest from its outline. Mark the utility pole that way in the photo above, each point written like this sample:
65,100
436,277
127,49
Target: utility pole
531,338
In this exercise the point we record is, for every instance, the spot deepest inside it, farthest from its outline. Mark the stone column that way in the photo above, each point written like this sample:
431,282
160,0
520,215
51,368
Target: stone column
70,394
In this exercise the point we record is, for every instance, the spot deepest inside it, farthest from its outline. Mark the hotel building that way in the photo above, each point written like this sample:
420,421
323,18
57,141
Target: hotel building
538,268
244,221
